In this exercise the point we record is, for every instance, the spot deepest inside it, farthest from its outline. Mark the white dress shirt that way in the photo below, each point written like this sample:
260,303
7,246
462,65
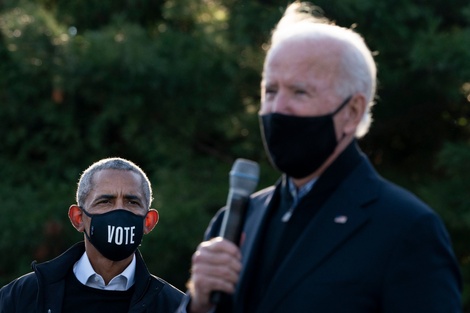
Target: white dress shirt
88,277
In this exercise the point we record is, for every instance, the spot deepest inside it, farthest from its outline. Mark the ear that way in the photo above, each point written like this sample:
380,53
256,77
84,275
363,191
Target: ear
151,219
76,217
355,112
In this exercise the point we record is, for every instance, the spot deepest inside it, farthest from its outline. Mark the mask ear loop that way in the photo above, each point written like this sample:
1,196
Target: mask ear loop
91,227
341,106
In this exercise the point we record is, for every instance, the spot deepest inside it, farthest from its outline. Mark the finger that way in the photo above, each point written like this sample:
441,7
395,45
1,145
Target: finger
227,273
216,258
204,285
219,244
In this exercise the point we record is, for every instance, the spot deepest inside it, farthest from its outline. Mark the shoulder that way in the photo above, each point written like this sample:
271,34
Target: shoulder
168,296
143,277
387,203
21,290
24,283
414,221
370,190
401,201
168,288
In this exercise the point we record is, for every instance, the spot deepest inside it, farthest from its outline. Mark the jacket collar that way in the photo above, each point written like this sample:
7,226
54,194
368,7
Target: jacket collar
57,268
51,274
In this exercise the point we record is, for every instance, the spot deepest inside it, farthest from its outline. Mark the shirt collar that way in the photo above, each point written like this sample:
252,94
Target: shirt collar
299,193
85,274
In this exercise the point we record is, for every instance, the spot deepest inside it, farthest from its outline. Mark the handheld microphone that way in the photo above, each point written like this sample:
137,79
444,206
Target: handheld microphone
244,178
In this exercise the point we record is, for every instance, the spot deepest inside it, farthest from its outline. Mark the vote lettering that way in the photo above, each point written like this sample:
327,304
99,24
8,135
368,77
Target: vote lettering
121,235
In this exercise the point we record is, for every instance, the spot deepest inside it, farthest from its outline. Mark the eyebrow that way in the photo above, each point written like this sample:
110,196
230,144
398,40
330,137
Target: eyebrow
105,197
132,197
110,197
302,85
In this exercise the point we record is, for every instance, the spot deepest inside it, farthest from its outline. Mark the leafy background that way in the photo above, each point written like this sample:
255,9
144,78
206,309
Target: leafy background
174,86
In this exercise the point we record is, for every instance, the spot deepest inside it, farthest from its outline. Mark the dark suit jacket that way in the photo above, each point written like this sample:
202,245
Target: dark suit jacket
371,247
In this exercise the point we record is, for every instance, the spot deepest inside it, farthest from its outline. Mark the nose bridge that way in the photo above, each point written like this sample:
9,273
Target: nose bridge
281,102
119,202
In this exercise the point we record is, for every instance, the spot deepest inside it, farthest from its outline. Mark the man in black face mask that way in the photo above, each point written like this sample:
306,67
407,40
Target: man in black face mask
332,235
106,272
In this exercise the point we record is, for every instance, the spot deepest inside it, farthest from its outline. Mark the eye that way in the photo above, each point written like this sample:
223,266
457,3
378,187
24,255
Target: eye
270,90
270,93
300,92
132,202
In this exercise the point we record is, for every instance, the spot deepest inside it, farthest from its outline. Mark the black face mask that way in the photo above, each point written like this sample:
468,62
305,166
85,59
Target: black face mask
298,145
115,234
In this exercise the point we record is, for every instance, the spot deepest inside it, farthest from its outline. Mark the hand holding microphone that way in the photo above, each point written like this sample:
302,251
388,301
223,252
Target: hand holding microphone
216,264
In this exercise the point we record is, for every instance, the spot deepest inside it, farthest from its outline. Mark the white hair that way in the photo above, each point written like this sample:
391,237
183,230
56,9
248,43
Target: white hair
357,66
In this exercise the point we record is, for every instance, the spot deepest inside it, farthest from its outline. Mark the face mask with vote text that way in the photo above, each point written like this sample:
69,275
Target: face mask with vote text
115,234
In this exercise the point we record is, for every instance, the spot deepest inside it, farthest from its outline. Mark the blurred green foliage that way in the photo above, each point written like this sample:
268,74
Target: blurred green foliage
174,86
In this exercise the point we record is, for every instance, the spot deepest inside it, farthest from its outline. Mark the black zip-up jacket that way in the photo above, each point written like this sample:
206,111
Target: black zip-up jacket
43,290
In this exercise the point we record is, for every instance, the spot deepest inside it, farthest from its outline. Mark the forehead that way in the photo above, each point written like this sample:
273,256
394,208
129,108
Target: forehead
304,60
115,182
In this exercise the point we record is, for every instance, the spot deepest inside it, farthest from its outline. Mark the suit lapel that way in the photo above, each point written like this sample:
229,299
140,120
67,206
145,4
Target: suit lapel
257,215
339,218
254,222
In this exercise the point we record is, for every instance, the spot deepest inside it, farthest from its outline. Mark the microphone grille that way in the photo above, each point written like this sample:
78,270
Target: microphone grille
244,176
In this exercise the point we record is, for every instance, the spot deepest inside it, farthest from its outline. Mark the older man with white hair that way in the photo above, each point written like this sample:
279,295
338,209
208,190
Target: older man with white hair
331,236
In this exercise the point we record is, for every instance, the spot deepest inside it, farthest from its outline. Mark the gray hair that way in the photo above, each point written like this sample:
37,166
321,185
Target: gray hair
85,184
302,20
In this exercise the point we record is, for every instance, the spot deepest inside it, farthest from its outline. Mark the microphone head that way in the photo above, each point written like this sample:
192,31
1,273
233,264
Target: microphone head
244,177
